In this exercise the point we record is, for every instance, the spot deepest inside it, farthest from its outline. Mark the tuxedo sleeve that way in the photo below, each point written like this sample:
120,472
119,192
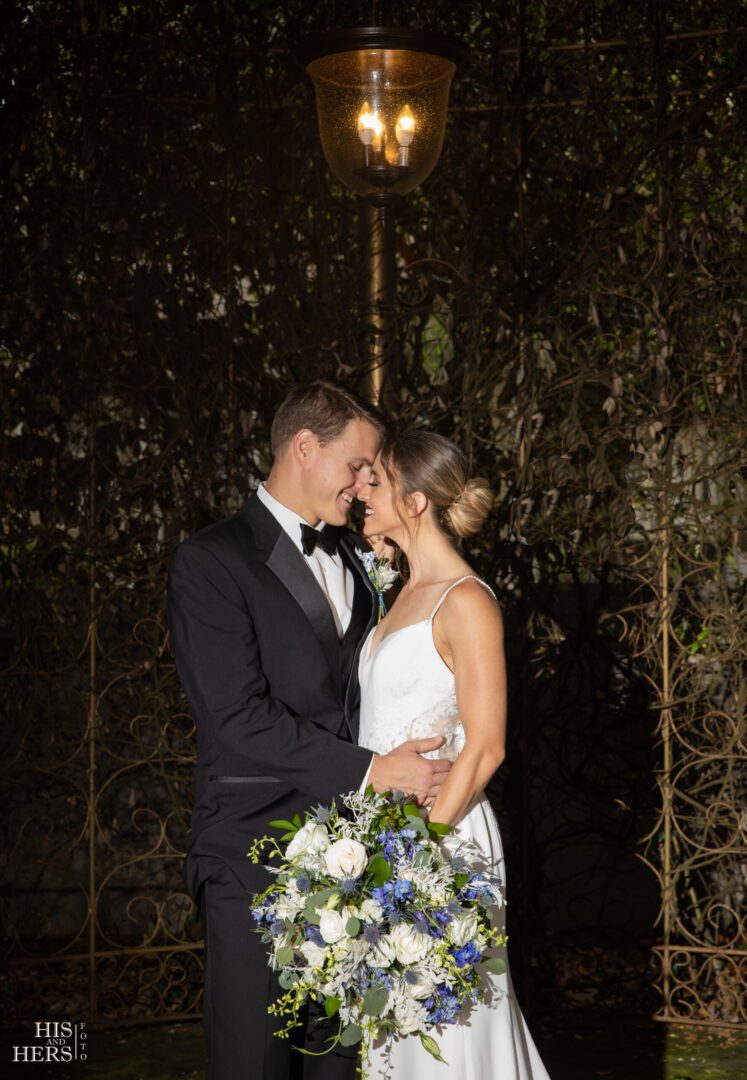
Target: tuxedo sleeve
214,643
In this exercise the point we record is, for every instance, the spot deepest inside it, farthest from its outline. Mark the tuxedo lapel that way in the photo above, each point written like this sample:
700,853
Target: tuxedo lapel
364,615
349,544
288,565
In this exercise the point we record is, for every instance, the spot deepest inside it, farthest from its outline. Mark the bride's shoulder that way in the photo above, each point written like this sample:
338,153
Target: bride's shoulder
470,597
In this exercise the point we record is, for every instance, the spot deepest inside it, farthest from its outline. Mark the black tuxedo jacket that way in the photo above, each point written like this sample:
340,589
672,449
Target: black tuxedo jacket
273,690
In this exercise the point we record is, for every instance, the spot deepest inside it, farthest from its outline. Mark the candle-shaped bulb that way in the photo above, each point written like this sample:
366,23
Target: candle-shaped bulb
369,125
405,130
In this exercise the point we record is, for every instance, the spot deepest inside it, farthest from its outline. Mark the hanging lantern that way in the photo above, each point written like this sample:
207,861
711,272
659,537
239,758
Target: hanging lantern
381,96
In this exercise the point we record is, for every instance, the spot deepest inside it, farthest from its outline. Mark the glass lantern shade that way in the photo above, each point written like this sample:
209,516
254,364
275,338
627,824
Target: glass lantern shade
382,116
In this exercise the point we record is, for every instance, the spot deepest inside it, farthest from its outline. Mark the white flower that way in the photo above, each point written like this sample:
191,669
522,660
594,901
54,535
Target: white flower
289,905
464,927
383,952
331,926
345,858
419,989
371,911
379,569
311,838
313,954
387,575
409,944
409,1015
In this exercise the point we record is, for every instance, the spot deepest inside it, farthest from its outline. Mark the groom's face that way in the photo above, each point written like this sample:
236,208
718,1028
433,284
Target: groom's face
335,471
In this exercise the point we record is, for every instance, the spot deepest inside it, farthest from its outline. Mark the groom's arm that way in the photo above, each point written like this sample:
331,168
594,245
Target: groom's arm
217,656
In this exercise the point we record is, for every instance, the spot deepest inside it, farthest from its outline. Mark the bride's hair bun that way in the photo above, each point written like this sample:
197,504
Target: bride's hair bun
417,460
466,514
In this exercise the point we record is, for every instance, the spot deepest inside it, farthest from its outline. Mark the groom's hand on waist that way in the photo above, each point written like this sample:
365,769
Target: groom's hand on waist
403,769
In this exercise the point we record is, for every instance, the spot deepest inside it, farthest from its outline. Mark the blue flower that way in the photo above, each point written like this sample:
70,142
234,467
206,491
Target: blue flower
312,934
302,883
476,887
467,954
276,927
443,1006
348,885
399,844
392,893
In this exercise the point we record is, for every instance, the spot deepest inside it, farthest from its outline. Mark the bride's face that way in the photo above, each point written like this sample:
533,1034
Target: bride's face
384,511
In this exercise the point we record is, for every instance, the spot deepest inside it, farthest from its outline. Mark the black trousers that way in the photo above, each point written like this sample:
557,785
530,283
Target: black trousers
239,985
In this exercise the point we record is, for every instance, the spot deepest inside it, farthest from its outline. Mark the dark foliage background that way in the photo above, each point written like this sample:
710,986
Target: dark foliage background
571,303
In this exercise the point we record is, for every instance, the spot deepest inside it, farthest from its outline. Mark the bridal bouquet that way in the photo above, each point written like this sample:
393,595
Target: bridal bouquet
370,916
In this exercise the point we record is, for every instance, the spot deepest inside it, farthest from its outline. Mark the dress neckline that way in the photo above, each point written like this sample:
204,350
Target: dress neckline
421,622
392,633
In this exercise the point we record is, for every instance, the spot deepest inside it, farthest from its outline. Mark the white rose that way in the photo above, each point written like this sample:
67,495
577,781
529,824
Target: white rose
409,944
331,926
311,838
345,858
383,953
313,954
371,911
464,927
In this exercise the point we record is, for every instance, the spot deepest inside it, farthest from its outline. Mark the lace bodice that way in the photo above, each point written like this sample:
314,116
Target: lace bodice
407,691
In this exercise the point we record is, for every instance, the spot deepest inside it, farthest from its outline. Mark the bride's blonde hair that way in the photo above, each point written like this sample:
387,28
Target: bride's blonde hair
417,460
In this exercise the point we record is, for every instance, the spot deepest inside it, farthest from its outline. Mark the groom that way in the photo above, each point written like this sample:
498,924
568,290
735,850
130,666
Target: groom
267,612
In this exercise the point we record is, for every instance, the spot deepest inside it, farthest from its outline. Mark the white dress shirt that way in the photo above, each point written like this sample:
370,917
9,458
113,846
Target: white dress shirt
334,578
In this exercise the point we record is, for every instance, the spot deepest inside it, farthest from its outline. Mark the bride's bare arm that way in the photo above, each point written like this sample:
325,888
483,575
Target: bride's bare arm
468,631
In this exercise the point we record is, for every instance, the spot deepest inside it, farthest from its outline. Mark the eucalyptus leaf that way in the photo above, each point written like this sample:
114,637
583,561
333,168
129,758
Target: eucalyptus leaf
495,965
417,823
374,1000
351,1034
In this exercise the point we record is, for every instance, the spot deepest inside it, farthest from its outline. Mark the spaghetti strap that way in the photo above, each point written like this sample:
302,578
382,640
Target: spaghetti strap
467,577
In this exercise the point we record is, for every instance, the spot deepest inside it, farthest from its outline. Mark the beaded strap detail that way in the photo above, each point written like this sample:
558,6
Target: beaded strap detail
467,577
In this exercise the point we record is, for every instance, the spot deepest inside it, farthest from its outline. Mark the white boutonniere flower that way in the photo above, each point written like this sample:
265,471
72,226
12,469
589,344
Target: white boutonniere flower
381,574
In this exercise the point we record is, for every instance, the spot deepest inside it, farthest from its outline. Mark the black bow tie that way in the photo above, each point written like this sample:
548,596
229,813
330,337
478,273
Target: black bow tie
327,539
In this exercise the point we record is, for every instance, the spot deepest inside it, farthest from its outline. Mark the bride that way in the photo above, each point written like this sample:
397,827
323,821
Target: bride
435,665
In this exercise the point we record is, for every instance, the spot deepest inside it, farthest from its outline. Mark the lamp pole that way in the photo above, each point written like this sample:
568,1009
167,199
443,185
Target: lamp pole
382,95
380,293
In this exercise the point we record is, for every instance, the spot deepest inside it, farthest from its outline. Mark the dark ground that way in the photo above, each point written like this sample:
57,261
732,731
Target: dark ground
575,1046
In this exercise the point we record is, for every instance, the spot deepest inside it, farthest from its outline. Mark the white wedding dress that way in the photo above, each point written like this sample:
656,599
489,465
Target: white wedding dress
407,692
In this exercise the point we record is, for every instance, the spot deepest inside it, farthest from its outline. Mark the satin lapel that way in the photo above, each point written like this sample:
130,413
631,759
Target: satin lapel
349,546
364,615
287,563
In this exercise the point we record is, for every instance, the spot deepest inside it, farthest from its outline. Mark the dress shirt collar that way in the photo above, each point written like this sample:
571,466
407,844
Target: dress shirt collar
288,519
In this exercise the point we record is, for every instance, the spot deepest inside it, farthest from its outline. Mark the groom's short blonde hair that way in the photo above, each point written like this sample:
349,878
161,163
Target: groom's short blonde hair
323,408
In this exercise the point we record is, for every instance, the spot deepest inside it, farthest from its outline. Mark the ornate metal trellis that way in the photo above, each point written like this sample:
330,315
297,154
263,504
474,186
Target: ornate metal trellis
571,309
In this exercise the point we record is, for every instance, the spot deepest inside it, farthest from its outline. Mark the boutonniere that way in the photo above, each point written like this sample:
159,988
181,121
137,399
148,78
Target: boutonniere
381,574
